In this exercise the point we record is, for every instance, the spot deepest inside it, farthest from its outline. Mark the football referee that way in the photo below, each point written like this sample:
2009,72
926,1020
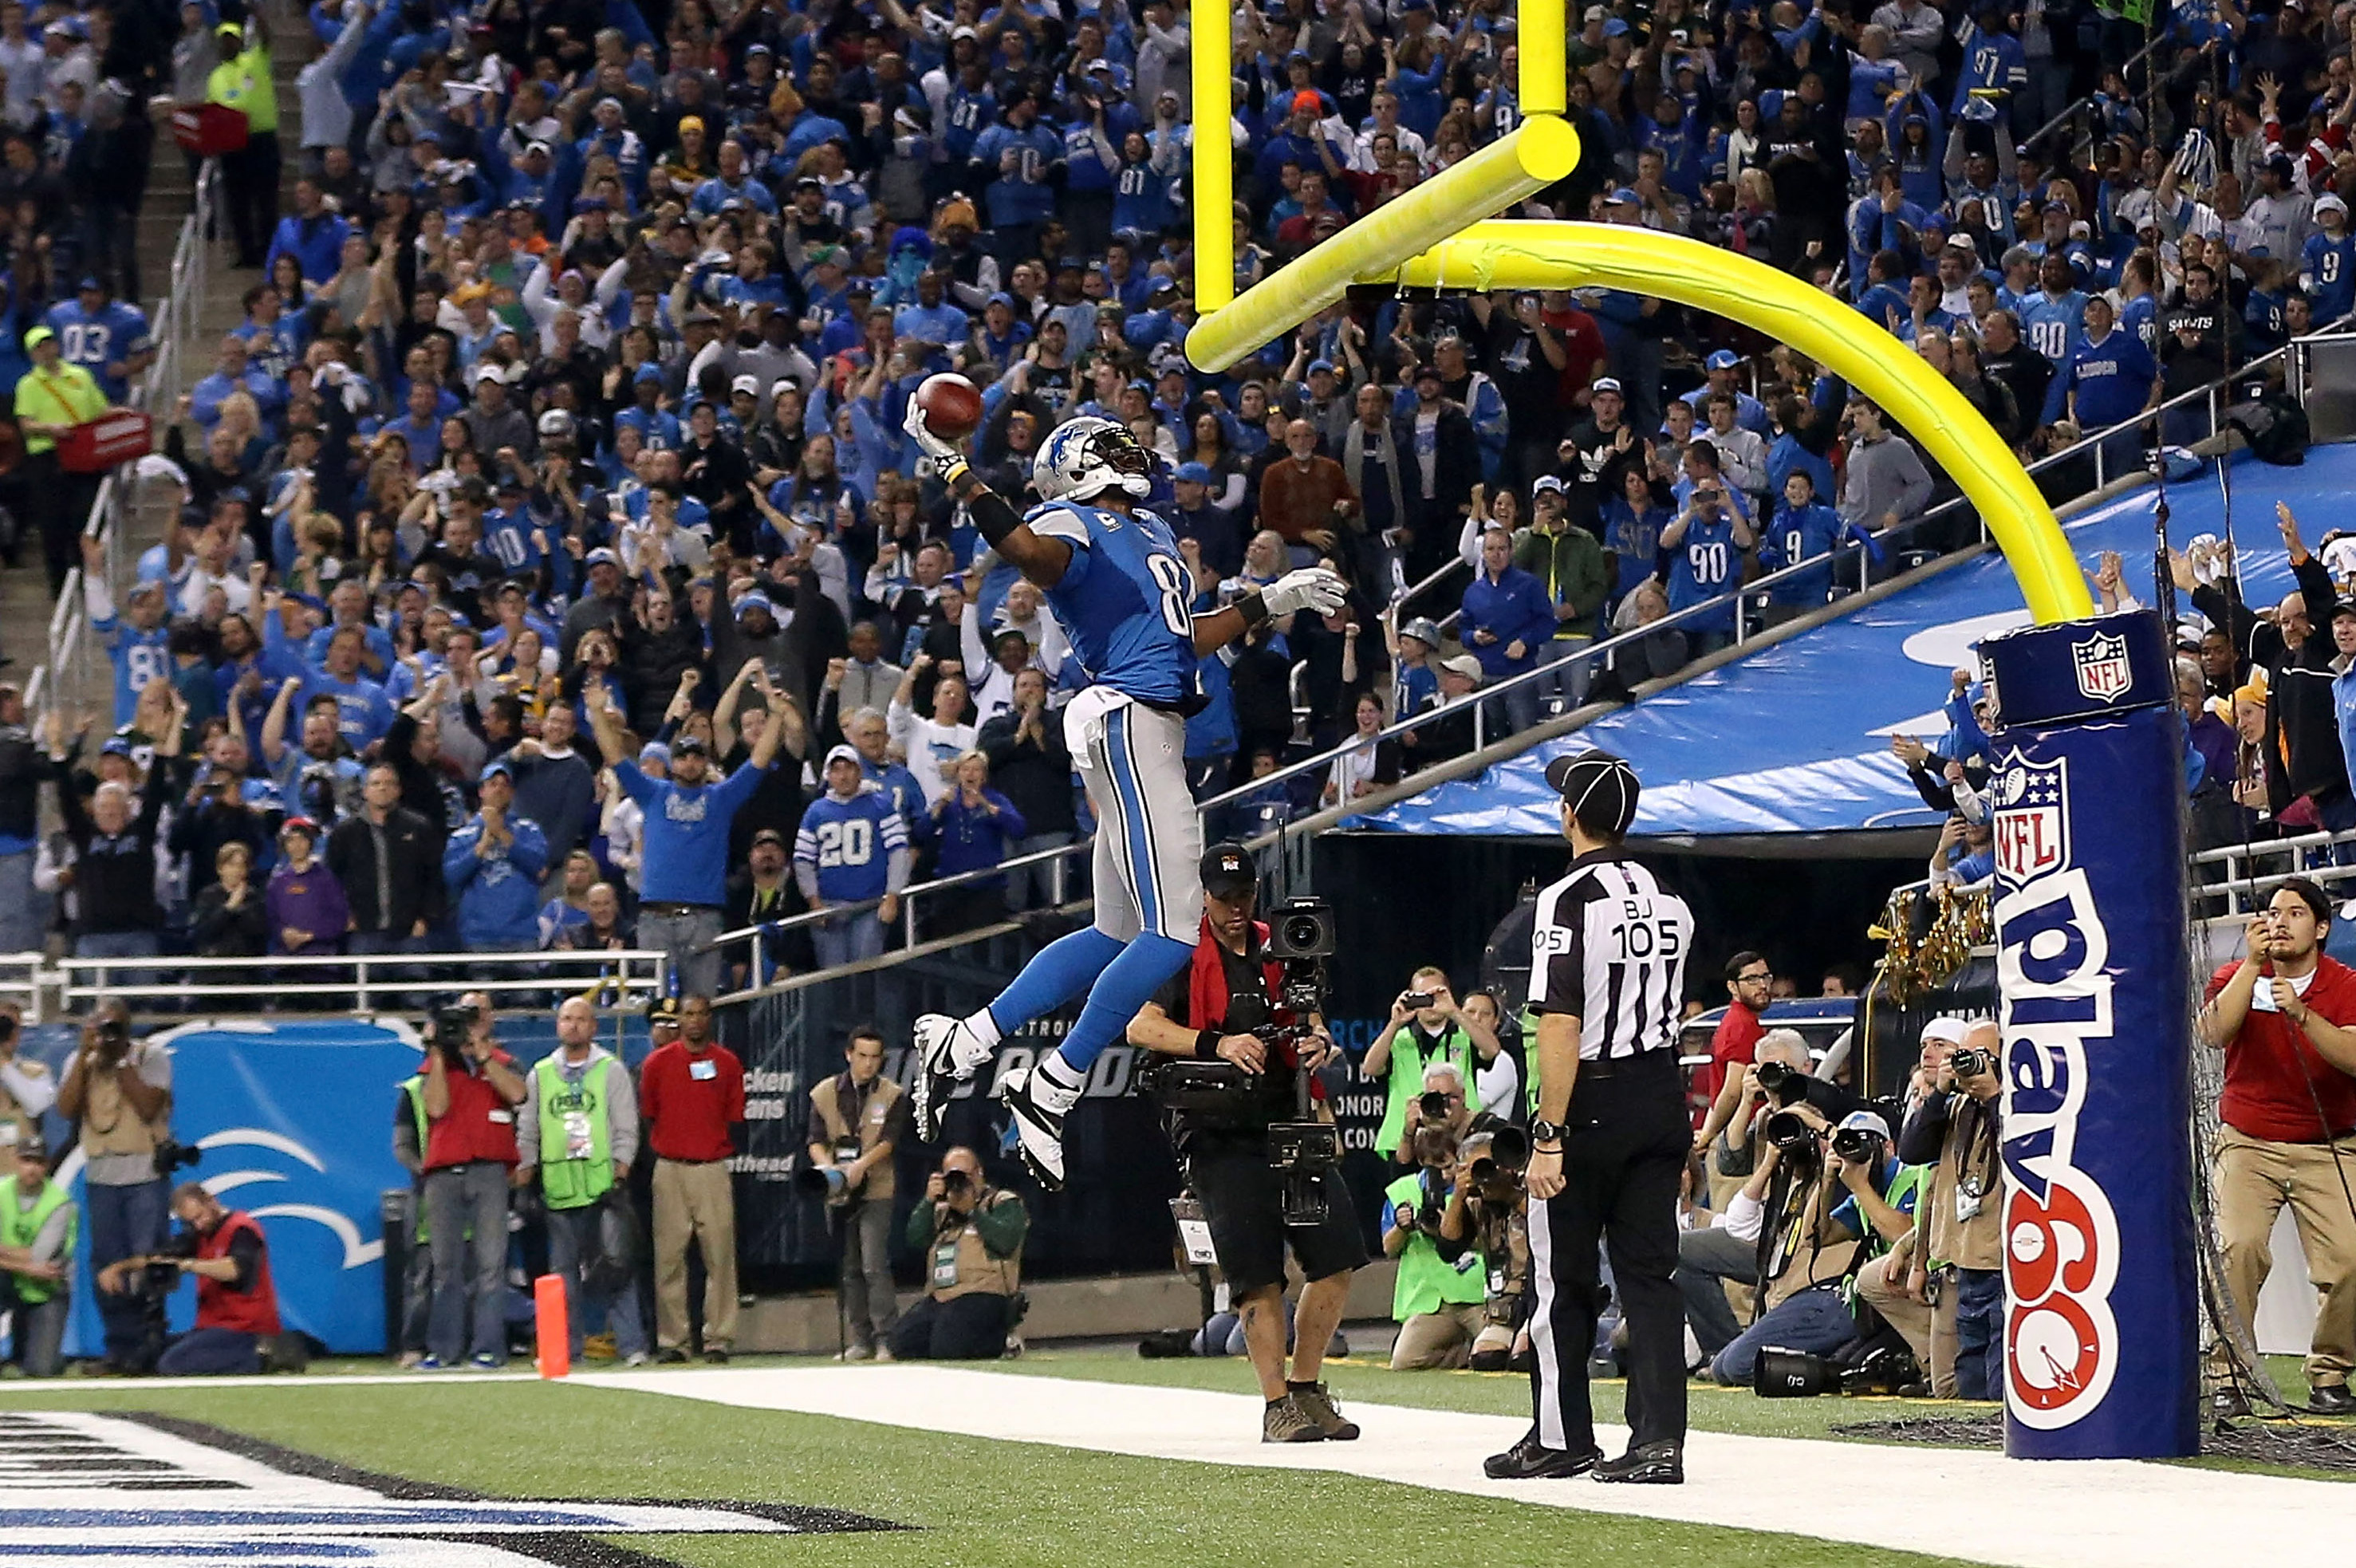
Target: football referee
1607,978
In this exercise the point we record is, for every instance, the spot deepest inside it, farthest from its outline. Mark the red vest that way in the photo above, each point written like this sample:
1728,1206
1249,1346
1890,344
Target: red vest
466,1131
254,1311
1206,990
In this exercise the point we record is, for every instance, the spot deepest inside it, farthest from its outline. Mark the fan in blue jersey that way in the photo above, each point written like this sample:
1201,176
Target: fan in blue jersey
1803,529
2326,271
1113,577
2050,317
135,642
852,848
104,335
1706,544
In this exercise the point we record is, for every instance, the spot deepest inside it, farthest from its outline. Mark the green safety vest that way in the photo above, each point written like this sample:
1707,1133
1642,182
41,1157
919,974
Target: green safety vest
1909,1182
1426,1281
21,1226
414,1087
243,82
565,1111
1405,1081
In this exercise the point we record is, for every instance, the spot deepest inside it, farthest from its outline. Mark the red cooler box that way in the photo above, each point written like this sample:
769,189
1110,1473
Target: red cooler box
118,436
206,129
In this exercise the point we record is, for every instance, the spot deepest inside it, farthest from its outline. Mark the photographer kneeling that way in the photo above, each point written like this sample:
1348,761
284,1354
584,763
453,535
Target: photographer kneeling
1825,1202
237,1305
1234,985
970,1234
1440,1294
1489,1208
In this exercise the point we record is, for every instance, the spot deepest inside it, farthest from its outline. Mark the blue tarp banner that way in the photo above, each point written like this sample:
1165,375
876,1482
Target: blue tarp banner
296,1123
1795,738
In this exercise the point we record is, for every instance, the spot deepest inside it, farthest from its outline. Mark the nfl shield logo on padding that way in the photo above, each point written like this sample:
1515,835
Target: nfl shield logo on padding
2031,829
2102,665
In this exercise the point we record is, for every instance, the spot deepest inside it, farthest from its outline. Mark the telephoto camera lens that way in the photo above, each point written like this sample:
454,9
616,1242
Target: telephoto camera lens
1855,1143
1970,1061
1787,1132
1434,1104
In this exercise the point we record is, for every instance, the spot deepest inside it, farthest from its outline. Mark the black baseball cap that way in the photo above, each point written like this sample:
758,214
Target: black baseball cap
682,744
1228,872
1599,788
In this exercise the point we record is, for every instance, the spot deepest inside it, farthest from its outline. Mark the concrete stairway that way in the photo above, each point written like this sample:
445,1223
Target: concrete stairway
25,604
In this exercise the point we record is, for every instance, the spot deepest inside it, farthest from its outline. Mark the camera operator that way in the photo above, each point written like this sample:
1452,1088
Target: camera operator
1832,1198
1439,1298
1488,1210
237,1305
120,1091
1708,1256
1425,1025
38,1221
472,1089
1228,979
969,1234
2283,1016
858,1118
1956,1129
1440,1106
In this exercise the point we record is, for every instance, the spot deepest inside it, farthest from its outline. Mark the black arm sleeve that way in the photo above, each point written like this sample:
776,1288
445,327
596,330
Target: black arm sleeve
992,515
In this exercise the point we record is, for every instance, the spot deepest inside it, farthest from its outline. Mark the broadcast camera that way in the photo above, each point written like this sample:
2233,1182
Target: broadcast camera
1300,938
453,1027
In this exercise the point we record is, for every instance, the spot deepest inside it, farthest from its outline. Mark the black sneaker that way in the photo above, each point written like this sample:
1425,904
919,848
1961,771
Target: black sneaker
671,1356
2330,1398
2226,1403
1529,1460
1659,1464
1317,1404
716,1354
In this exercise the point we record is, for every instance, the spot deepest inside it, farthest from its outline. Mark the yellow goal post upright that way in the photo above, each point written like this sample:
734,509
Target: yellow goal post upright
1444,232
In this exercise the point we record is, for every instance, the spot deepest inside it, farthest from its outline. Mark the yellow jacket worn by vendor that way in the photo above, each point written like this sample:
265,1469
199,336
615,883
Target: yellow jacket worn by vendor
243,82
53,394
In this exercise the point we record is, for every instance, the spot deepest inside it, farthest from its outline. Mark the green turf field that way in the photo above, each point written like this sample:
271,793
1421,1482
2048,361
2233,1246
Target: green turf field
976,1502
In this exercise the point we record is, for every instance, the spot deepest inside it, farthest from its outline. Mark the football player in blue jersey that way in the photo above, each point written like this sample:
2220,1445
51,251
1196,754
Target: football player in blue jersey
1112,573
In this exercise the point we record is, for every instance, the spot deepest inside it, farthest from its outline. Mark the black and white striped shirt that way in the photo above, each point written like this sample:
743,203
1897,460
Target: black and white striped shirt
1610,948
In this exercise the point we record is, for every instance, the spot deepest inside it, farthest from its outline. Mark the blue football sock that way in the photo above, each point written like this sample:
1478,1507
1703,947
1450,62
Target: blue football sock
1059,972
1126,984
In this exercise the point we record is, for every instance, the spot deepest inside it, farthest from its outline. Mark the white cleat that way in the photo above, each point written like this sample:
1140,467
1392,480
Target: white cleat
1035,1132
936,1075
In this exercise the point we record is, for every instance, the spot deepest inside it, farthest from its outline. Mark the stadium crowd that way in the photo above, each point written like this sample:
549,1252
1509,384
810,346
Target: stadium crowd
572,386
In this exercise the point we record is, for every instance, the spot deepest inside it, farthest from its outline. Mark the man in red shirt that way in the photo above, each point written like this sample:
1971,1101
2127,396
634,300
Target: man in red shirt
237,1327
1749,979
2285,1015
691,1093
471,1092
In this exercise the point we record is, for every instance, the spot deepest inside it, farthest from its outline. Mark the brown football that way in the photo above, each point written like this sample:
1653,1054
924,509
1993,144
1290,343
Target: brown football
952,405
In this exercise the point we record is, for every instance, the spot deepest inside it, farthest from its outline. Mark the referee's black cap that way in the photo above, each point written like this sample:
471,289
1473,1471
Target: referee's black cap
1228,872
1599,788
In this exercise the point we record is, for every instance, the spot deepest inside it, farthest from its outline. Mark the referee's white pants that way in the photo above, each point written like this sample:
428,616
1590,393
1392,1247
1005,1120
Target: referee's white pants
1149,844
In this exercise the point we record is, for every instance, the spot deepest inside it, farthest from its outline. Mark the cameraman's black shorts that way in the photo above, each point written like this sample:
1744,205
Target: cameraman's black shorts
1243,1203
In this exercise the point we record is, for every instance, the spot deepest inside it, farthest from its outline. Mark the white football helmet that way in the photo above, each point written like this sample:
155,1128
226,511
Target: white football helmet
1087,456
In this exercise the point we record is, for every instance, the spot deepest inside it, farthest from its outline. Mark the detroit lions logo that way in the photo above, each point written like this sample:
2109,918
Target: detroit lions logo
682,808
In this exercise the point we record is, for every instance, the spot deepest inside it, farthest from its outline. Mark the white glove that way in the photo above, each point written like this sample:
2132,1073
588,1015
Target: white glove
1312,587
933,454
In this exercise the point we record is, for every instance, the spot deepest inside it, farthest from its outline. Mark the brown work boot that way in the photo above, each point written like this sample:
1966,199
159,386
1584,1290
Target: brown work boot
1286,1422
1315,1402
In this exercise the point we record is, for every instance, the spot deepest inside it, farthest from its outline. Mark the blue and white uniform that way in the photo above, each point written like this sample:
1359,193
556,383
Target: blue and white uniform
1124,601
95,341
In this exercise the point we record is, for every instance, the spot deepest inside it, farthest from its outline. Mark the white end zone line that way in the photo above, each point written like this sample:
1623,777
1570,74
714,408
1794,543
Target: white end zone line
2035,1514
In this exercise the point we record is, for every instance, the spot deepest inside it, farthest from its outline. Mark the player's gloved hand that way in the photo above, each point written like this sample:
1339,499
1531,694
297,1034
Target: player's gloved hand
1311,588
933,454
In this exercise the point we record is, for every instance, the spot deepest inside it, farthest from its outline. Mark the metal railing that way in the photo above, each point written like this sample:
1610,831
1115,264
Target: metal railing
1744,603
2236,891
63,675
173,983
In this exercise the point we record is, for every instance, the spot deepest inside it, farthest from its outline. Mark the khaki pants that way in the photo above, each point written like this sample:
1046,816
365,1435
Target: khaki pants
694,1200
2255,1179
1882,1285
1440,1340
1742,1298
